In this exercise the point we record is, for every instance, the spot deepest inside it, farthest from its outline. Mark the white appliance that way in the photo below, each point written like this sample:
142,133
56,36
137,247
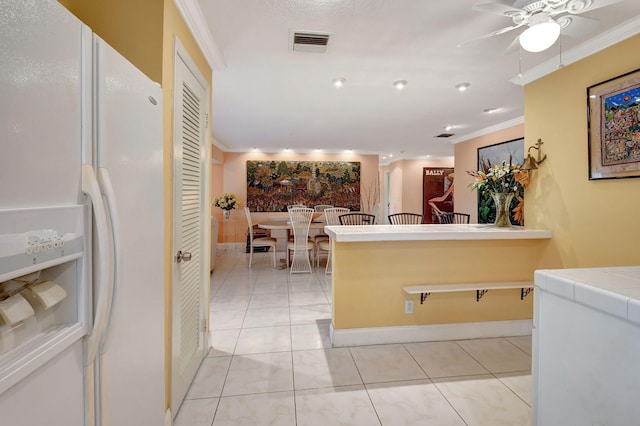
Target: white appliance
81,276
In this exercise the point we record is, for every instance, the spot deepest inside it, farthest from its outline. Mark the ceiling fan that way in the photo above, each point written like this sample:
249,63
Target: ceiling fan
545,19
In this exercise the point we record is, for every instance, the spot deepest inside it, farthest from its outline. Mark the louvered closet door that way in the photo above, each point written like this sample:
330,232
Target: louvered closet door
188,335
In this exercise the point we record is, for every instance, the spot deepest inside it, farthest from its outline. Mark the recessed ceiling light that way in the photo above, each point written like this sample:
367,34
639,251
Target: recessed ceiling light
428,156
287,150
316,150
400,84
390,155
339,82
254,149
463,86
449,127
490,110
384,158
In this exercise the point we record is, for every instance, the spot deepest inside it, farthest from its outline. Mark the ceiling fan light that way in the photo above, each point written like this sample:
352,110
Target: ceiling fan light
540,36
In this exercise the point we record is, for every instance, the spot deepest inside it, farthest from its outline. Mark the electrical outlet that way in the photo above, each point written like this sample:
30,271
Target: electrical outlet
408,306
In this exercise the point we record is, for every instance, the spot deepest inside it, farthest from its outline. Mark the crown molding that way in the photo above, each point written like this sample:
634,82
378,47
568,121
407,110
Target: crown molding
583,50
500,126
197,24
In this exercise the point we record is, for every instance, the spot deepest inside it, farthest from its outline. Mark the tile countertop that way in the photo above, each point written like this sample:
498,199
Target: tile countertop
614,290
367,233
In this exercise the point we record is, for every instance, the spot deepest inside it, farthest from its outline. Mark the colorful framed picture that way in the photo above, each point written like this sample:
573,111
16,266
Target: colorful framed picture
511,152
614,127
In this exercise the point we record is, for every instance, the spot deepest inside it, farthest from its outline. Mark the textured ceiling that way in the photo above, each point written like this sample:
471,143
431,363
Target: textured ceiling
268,96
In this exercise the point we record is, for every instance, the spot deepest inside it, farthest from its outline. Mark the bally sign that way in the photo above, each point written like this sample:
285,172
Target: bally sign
433,172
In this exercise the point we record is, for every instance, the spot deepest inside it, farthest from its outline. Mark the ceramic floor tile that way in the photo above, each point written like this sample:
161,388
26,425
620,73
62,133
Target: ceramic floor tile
264,339
497,355
348,405
229,303
209,378
269,409
518,382
260,373
269,300
523,342
310,314
444,359
223,342
484,401
275,285
321,368
226,320
304,298
196,412
266,317
386,363
415,402
310,336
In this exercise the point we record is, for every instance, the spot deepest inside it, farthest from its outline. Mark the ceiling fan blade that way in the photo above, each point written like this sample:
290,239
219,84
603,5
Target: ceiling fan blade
581,6
498,8
491,34
577,26
513,47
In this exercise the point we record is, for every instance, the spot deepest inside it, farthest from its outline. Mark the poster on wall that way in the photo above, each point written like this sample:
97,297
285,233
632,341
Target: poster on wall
614,127
274,185
437,192
511,152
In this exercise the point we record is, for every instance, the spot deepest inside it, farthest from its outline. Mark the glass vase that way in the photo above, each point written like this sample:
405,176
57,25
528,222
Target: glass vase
503,207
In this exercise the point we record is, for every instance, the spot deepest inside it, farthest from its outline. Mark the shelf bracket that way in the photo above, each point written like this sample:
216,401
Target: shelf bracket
480,293
524,292
423,297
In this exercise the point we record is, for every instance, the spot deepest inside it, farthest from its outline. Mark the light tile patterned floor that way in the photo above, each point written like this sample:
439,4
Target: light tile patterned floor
271,363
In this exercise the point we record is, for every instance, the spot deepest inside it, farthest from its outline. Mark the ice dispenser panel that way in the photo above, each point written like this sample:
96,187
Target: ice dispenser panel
43,280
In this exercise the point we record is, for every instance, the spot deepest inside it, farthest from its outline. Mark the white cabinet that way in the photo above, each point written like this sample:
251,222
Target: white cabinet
586,347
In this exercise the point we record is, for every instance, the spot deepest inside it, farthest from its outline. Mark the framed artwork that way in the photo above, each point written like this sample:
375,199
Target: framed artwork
274,185
512,152
614,127
437,192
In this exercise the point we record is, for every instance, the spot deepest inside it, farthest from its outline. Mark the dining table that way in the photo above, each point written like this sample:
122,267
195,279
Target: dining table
284,224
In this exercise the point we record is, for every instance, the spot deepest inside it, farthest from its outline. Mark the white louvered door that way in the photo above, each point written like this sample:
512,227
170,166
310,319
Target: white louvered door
189,339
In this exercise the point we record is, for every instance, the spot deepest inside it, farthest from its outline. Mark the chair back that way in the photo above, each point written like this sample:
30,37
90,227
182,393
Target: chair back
357,219
453,218
332,214
249,222
405,219
322,207
295,205
300,221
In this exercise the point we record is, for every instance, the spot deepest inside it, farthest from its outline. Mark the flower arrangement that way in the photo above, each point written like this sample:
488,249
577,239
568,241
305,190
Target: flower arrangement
501,178
226,201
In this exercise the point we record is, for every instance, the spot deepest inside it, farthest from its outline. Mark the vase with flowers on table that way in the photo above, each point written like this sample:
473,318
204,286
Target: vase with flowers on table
226,202
503,182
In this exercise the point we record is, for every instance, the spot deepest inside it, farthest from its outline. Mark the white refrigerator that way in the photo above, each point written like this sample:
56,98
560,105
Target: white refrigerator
81,227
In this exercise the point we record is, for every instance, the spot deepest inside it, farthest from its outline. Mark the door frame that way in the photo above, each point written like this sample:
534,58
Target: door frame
181,56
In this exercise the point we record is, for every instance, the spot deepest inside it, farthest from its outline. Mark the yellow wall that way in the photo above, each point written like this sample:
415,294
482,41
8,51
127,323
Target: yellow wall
133,28
235,181
466,155
594,223
368,280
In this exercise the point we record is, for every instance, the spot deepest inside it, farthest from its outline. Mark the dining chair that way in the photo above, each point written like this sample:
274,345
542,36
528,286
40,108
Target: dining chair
405,219
357,219
451,217
300,218
331,215
320,236
322,207
259,242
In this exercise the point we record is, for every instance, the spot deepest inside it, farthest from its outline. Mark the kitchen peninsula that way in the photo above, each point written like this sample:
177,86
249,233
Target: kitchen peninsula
373,265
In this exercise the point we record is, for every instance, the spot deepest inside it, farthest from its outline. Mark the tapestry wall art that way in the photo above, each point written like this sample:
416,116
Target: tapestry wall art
274,185
614,127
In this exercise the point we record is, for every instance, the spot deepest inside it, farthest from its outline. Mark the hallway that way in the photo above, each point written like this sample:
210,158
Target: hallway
271,363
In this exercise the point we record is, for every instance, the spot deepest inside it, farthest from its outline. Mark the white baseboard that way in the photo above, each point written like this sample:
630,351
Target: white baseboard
168,421
429,332
232,246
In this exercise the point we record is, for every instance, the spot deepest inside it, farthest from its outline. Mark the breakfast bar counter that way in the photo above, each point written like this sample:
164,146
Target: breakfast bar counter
403,283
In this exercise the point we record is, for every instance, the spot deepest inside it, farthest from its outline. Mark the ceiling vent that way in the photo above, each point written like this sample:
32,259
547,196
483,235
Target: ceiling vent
308,41
445,135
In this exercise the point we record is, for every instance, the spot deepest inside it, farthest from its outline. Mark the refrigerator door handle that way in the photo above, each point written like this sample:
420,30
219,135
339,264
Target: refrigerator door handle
104,283
104,180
